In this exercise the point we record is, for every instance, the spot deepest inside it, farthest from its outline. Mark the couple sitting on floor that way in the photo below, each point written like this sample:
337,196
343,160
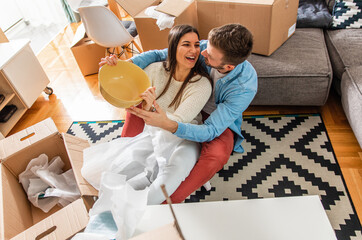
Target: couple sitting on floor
166,149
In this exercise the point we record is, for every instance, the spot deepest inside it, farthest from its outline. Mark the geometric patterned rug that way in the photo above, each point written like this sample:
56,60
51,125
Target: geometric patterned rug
285,155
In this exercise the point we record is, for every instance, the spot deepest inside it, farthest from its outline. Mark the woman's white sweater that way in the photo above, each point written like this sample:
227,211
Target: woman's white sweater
194,97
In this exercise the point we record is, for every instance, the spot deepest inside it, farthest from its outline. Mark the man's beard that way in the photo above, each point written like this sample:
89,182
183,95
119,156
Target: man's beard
220,67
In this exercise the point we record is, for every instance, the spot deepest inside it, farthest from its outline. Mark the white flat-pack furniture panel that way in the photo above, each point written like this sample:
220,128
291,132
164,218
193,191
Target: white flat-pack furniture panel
297,218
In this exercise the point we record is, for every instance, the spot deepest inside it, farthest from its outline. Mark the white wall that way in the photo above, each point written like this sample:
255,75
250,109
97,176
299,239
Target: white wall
9,14
43,20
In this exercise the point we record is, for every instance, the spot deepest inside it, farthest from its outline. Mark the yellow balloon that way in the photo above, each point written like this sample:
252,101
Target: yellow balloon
121,85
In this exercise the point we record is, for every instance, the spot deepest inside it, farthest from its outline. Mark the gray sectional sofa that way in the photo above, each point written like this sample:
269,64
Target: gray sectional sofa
345,51
303,69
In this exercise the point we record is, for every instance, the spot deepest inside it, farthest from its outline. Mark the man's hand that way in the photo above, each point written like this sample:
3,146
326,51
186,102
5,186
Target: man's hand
157,118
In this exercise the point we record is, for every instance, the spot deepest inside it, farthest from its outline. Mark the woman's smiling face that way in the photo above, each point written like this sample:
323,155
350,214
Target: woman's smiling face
188,50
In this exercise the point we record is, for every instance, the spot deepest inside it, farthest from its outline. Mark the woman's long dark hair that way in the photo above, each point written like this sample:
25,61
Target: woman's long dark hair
170,65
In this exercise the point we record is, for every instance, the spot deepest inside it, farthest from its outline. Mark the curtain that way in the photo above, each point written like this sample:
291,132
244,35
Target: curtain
69,12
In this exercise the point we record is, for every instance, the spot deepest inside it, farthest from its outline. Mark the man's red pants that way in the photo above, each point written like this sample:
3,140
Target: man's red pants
214,155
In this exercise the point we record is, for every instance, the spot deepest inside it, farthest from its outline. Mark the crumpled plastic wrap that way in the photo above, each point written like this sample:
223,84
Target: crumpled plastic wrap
118,210
163,20
140,158
47,185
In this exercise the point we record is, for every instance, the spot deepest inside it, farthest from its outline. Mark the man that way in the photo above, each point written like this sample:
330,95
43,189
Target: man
235,85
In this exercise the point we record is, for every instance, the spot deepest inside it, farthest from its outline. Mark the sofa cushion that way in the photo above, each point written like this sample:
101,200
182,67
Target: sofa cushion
351,94
347,14
313,13
131,27
345,49
298,73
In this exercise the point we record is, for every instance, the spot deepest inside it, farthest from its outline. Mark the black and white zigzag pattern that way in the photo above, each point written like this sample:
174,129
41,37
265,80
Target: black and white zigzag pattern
97,132
284,156
347,14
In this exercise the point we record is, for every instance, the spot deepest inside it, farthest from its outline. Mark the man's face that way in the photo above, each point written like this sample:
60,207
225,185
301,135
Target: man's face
213,58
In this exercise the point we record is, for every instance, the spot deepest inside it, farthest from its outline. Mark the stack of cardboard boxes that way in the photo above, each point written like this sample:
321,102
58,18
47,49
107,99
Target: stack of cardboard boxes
271,22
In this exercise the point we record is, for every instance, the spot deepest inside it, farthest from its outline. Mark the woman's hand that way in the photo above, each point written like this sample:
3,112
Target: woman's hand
110,60
148,96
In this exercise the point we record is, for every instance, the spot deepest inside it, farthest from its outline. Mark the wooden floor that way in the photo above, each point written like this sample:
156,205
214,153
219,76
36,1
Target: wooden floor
76,98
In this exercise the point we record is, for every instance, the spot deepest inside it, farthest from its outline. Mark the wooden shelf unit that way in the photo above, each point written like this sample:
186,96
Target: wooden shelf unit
11,98
22,79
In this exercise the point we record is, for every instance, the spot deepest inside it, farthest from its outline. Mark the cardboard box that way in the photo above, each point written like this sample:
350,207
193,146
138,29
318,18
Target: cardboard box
76,160
271,22
60,225
19,218
149,33
86,52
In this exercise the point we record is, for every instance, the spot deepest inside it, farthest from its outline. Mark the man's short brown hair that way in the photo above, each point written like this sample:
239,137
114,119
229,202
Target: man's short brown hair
234,41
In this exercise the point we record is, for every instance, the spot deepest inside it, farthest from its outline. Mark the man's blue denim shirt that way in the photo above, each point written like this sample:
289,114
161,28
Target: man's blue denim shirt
233,94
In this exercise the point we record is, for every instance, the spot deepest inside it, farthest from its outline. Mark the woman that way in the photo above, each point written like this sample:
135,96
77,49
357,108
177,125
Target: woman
155,157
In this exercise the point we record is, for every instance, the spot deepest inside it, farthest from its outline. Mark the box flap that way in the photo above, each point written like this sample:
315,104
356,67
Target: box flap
75,147
174,7
133,7
261,2
60,225
26,137
79,35
15,209
167,232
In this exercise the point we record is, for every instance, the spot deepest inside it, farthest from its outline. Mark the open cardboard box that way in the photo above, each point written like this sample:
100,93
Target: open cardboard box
271,22
149,33
86,52
19,218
